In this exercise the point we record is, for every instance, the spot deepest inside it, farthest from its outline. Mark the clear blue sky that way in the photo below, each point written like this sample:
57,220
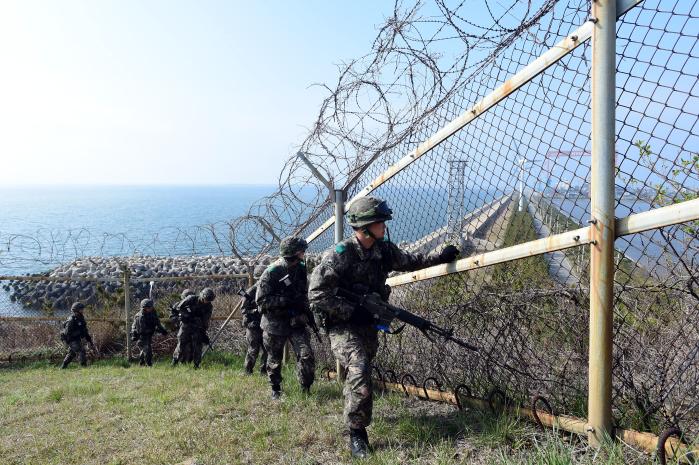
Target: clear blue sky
167,92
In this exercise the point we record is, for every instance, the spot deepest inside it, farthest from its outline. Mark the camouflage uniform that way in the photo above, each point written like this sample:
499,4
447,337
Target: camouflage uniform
195,314
186,356
253,334
284,311
145,324
74,330
353,337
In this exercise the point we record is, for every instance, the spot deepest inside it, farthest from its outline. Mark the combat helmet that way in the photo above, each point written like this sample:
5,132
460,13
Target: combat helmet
290,246
77,307
207,294
145,303
367,210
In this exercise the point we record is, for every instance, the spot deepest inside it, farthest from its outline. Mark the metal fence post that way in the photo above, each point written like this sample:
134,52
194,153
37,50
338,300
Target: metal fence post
127,311
602,223
339,235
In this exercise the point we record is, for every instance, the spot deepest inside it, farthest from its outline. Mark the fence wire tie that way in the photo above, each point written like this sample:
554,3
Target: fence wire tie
667,434
457,390
424,385
381,377
412,381
546,403
496,392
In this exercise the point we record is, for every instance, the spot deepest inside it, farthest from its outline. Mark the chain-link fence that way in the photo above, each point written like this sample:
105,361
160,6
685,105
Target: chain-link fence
507,160
34,309
480,135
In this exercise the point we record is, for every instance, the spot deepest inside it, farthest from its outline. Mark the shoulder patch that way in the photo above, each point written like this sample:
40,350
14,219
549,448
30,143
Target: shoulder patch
340,248
271,268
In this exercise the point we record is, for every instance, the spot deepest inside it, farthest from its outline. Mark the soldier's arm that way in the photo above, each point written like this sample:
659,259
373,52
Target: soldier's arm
304,295
402,260
268,296
135,326
323,286
86,334
206,318
159,326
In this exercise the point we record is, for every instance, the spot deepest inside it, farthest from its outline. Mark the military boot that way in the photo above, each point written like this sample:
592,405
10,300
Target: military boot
263,370
64,365
174,361
359,443
276,392
248,368
306,389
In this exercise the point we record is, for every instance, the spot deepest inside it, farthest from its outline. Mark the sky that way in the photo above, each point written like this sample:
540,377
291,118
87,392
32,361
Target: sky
167,92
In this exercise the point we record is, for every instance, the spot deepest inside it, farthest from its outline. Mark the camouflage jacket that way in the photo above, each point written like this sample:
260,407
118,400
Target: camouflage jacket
251,314
146,323
195,312
352,267
282,297
75,328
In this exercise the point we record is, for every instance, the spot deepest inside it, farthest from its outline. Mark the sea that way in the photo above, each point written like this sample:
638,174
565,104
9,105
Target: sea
44,225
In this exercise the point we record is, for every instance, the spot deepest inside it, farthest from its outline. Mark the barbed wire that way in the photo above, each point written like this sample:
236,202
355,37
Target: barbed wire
517,173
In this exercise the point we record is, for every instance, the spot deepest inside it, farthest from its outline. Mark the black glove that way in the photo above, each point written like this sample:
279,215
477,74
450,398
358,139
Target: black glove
361,316
448,254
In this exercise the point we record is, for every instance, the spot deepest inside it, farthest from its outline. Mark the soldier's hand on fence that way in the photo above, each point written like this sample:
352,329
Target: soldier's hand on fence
448,254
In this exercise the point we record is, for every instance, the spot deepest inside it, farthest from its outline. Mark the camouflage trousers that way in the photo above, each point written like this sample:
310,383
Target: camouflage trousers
255,346
190,341
355,349
75,347
305,360
145,345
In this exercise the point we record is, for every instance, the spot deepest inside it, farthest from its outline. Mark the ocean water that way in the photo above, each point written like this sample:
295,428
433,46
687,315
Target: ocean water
40,226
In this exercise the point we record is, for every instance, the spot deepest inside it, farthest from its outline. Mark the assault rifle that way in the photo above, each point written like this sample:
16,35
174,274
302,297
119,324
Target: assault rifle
306,311
384,313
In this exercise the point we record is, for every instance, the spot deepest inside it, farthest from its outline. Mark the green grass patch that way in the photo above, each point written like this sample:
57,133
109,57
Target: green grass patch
106,413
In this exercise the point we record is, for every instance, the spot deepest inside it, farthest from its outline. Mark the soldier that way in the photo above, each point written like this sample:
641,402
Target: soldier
360,264
253,334
74,330
175,319
283,301
145,324
195,313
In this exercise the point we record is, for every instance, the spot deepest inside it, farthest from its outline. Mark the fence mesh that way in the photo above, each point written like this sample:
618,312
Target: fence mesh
518,172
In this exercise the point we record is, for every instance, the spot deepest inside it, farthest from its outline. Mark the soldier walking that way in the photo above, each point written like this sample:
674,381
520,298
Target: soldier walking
195,313
282,297
361,265
175,319
74,331
253,334
145,324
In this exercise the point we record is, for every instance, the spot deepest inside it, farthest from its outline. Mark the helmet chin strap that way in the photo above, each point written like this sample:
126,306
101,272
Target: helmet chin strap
368,233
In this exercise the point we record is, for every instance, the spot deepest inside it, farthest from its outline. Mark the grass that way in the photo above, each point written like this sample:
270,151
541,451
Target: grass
112,414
